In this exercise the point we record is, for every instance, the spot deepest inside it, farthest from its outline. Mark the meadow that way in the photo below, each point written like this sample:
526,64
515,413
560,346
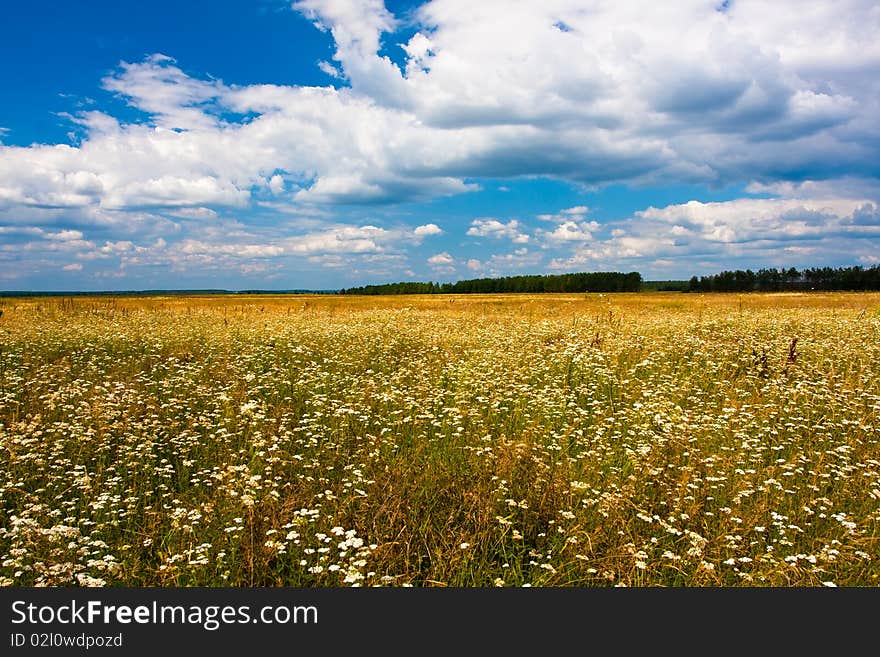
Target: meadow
654,439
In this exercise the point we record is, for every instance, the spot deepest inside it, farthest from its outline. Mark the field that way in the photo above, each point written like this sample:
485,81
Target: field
657,439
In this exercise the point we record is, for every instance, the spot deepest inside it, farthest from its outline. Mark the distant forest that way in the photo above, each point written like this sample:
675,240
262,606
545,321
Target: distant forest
582,282
763,280
775,280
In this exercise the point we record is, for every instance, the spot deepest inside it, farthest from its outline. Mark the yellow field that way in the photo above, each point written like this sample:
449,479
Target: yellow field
553,440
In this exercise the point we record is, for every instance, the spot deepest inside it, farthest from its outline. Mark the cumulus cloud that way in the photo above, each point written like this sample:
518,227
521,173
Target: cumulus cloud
520,261
64,235
427,230
338,239
121,246
755,232
626,92
174,99
488,227
357,27
744,220
497,264
442,263
441,259
571,231
228,246
846,187
329,69
778,98
568,215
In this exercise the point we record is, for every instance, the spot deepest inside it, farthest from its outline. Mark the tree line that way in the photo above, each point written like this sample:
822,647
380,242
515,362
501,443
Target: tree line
579,282
776,280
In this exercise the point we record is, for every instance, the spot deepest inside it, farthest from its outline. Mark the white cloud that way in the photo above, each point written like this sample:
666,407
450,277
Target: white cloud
73,267
175,191
625,92
488,227
329,69
571,231
64,235
276,184
228,247
157,86
418,49
441,259
193,213
744,220
521,261
847,187
21,230
344,239
427,230
357,26
568,215
121,246
756,232
193,247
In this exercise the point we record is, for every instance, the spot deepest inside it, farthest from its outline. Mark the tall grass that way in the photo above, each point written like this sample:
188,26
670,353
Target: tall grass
553,440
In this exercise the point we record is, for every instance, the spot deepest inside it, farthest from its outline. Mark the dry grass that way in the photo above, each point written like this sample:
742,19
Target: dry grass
654,439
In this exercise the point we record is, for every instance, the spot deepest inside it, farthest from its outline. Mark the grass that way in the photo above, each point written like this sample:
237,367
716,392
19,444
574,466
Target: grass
552,440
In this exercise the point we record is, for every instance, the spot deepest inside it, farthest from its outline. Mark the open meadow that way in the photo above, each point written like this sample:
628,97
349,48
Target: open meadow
550,440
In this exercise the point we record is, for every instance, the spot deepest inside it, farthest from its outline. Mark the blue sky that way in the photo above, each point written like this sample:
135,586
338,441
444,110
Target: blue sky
331,143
